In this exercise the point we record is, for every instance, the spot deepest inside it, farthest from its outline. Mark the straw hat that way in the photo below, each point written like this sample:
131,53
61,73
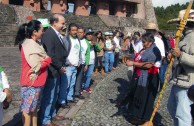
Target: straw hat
151,26
181,15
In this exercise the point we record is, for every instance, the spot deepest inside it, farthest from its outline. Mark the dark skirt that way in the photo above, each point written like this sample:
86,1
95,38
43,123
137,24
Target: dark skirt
141,99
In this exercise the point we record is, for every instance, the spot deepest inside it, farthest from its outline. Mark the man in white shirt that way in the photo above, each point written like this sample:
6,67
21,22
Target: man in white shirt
85,53
73,61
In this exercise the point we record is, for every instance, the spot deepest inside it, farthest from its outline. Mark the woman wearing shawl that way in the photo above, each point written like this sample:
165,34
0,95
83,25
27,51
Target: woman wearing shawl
35,62
145,81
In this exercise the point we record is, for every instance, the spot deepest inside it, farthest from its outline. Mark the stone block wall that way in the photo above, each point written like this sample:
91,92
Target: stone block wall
7,34
13,16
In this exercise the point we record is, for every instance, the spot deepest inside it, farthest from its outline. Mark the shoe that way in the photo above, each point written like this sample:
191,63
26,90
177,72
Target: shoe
58,118
79,96
102,71
72,101
64,106
114,68
96,71
89,90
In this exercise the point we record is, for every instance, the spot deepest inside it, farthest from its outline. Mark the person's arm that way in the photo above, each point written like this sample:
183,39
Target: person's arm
49,45
144,65
5,95
88,54
97,47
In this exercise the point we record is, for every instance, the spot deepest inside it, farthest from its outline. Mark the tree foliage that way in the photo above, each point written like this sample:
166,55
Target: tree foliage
165,14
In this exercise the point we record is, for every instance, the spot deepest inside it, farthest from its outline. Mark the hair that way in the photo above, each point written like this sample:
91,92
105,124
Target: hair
72,25
148,37
190,24
53,19
115,32
137,33
101,38
26,31
80,27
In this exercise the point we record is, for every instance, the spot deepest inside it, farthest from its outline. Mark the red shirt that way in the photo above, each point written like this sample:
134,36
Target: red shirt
153,70
25,75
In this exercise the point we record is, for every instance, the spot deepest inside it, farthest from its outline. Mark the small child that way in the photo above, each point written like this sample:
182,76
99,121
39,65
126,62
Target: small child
5,95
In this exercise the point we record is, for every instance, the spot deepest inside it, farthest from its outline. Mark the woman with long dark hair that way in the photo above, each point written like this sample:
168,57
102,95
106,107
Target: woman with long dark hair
34,69
100,54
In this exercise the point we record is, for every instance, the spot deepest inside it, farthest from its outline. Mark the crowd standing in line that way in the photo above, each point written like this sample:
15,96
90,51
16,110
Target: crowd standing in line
57,68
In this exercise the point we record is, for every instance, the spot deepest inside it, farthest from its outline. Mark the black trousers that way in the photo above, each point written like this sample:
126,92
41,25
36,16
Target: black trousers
79,77
116,60
98,59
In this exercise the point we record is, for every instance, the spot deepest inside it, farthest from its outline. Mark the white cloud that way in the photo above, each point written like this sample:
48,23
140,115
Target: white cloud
166,3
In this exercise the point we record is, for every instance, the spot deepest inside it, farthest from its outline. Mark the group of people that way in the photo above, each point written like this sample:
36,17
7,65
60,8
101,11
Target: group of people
57,68
150,65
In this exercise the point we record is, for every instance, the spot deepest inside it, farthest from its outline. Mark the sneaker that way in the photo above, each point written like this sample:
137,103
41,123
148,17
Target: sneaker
89,90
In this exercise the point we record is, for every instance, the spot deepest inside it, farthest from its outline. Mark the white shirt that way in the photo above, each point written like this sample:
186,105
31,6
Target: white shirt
84,47
108,45
74,52
117,42
160,44
92,56
3,84
137,45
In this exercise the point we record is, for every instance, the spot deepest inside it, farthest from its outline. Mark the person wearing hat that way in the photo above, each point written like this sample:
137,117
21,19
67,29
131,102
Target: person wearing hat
109,47
90,60
183,74
152,28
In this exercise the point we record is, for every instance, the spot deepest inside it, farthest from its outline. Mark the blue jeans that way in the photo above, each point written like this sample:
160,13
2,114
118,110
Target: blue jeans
63,89
162,72
71,72
109,57
179,106
88,76
49,99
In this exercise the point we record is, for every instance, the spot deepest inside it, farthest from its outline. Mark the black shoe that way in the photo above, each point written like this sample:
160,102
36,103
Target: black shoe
79,96
72,101
64,106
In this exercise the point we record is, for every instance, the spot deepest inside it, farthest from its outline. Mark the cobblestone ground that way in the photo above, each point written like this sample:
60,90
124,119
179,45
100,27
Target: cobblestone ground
100,109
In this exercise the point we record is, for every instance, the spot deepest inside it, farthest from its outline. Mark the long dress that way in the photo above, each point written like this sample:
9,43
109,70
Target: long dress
141,99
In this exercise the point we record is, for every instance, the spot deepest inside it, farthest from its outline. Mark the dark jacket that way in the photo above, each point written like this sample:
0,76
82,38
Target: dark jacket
56,50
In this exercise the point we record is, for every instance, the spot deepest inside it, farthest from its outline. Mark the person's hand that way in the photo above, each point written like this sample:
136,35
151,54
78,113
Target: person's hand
78,65
62,70
85,68
176,52
9,96
129,63
169,57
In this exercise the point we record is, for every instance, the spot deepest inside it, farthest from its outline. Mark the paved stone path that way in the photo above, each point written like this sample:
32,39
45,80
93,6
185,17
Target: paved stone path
98,109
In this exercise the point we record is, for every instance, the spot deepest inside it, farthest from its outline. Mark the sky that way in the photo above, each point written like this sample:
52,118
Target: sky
166,3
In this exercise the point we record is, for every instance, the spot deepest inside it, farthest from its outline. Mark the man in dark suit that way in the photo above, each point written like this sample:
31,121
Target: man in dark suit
55,48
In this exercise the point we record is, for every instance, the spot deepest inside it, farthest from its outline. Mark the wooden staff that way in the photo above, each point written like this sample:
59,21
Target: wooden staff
183,22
